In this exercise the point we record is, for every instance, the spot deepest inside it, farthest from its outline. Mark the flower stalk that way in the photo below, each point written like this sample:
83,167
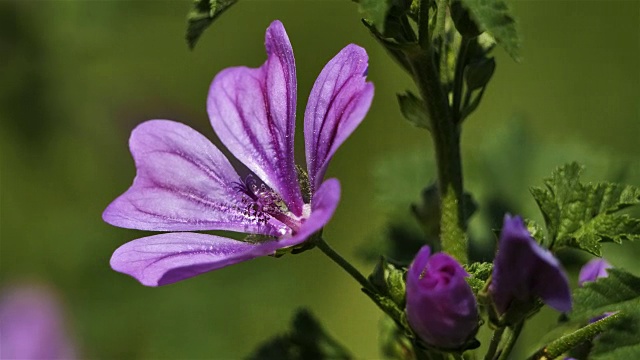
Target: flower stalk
344,264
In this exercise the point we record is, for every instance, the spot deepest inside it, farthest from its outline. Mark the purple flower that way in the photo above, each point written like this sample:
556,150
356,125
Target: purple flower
441,308
184,183
31,326
593,270
523,270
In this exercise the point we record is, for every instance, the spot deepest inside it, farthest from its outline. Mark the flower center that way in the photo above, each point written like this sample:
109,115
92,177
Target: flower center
262,203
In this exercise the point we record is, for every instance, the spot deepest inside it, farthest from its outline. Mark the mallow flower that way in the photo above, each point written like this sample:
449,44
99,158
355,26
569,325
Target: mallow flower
32,325
441,308
594,269
184,183
523,270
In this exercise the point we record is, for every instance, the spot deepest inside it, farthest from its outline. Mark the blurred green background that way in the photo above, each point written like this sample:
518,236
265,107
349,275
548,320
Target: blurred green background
77,76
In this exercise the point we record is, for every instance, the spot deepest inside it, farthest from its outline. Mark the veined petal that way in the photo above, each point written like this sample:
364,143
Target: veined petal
253,112
167,258
183,182
338,102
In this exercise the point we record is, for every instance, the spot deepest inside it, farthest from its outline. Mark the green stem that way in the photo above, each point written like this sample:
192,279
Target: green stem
344,264
441,16
495,341
446,140
569,341
423,25
511,341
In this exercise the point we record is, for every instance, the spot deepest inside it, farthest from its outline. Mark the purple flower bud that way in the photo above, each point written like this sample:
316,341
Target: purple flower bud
441,307
523,270
594,269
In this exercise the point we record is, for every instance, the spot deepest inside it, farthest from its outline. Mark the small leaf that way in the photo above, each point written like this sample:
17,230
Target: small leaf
306,340
413,109
202,15
376,12
584,215
478,73
619,292
495,17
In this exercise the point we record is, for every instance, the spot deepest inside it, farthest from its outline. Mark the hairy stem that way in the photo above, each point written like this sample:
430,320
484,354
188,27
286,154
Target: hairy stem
344,264
446,140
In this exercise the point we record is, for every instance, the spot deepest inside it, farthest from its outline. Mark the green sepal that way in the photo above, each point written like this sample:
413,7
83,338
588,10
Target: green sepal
306,340
389,280
584,215
202,15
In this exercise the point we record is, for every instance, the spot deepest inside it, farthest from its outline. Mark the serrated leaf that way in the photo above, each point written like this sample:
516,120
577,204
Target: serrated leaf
619,292
413,109
479,273
584,215
202,15
376,12
306,340
495,17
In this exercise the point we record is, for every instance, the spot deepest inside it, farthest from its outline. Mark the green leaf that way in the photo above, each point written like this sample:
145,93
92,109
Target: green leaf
413,109
495,17
202,15
479,273
306,340
376,12
536,231
619,292
584,215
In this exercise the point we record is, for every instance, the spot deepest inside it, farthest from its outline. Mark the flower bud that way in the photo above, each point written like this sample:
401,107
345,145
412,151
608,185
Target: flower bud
441,308
593,270
522,271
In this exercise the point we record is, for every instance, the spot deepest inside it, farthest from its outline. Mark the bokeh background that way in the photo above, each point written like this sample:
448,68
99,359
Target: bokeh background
77,76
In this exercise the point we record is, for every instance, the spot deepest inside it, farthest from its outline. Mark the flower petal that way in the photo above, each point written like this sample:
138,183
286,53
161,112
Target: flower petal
323,205
338,102
183,182
593,270
522,270
253,112
167,258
